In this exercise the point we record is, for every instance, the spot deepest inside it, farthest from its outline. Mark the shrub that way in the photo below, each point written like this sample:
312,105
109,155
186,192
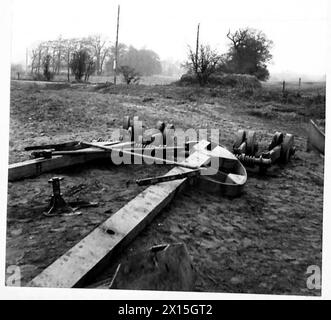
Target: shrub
38,77
238,81
267,112
130,75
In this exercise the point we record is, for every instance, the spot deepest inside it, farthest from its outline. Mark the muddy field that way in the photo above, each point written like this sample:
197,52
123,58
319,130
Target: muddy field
261,242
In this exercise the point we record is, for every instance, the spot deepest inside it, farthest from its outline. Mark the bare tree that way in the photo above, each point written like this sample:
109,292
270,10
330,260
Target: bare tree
58,54
37,56
238,37
99,47
33,60
203,65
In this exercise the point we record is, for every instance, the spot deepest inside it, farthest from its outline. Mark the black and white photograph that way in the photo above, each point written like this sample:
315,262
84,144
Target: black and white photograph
166,146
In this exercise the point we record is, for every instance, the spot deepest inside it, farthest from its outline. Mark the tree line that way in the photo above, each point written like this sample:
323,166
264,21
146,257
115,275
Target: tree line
248,53
82,57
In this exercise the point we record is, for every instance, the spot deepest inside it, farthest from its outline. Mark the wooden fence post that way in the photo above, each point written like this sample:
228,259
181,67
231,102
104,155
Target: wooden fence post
283,88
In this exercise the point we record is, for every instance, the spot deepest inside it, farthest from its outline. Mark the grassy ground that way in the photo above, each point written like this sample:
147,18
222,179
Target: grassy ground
261,242
151,80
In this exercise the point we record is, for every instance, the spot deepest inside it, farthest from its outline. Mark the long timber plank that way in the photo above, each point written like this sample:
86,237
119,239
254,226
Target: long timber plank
35,167
94,252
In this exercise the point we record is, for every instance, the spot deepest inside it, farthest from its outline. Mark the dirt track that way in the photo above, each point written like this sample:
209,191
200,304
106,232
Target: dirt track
262,242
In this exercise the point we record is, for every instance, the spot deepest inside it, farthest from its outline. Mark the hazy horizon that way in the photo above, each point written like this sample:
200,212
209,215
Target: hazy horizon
298,29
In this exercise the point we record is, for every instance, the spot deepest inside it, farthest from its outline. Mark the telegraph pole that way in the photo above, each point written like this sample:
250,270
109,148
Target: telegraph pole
197,49
116,45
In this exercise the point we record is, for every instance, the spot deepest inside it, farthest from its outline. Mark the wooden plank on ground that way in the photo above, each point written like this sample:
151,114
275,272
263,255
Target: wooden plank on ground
82,262
35,167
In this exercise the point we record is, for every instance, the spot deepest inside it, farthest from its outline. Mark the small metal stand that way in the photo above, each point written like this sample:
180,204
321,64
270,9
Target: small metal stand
58,206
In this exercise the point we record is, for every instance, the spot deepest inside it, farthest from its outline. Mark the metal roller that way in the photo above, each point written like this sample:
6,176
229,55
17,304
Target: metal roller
160,125
239,139
277,139
126,122
287,149
251,143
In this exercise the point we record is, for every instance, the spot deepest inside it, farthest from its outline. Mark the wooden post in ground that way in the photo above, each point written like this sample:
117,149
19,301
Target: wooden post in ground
283,88
299,85
116,45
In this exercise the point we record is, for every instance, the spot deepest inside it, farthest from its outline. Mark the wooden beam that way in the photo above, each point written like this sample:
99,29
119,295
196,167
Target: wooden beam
62,159
35,167
87,258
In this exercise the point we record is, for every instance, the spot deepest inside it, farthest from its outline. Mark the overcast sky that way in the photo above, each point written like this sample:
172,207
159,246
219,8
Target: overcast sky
298,28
